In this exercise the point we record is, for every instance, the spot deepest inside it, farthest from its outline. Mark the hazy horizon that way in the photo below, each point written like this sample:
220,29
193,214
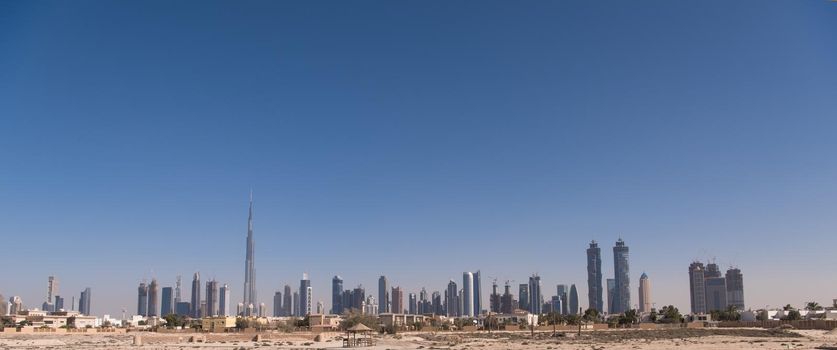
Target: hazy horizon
416,140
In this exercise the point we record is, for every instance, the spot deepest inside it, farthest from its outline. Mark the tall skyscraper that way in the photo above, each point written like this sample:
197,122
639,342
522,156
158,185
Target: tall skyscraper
467,294
523,294
424,306
611,291
494,300
383,295
288,303
573,300
563,294
249,263
59,303
644,293
16,305
4,306
177,295
594,277
153,294
52,291
277,304
452,300
196,295
296,304
305,296
412,304
224,301
735,288
697,287
477,293
211,298
535,297
167,301
336,295
622,298
142,299
397,300
436,303
716,293
84,302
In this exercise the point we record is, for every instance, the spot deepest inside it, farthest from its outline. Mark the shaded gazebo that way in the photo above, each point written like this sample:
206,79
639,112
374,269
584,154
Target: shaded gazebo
352,339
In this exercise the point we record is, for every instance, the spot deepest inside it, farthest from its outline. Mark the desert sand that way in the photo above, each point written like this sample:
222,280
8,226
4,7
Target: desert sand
592,340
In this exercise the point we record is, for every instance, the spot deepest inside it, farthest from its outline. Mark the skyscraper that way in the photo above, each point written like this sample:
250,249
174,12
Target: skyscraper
622,297
397,300
494,299
277,304
594,277
224,301
336,295
437,304
697,287
644,293
4,306
573,300
477,293
288,303
84,302
249,263
716,293
383,295
167,301
59,303
735,288
183,308
423,303
211,298
196,295
467,294
535,298
452,300
523,294
611,291
52,291
177,295
153,303
412,304
15,305
305,296
142,299
563,294
296,304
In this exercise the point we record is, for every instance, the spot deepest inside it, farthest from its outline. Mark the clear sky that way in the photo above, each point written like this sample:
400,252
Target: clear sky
418,140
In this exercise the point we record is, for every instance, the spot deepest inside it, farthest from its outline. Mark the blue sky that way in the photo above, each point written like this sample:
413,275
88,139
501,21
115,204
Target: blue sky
416,140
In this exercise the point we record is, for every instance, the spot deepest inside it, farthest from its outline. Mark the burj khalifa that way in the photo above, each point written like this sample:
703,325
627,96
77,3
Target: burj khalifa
250,302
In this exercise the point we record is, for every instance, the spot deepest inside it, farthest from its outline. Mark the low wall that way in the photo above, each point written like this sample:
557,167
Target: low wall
801,324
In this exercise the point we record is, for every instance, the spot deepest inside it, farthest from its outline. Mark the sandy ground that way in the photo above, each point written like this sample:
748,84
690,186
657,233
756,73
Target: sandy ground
594,340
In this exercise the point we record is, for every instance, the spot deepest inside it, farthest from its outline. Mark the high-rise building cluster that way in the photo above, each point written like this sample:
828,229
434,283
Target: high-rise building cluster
212,299
710,291
53,303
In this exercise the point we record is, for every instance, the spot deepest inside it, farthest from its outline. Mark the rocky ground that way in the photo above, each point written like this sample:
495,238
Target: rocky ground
686,339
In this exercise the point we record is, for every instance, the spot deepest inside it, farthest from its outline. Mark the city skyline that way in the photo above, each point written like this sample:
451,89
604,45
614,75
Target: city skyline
512,137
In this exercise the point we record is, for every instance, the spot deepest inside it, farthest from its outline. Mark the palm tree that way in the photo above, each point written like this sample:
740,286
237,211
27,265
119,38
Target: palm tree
629,317
591,315
813,306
